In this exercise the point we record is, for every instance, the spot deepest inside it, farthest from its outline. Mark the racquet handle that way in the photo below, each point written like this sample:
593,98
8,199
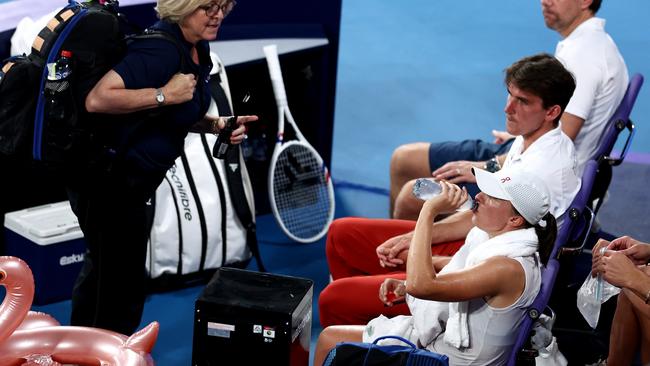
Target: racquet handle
271,53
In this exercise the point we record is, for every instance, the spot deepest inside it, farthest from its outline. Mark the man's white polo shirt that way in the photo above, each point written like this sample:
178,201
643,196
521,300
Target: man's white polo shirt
601,80
553,158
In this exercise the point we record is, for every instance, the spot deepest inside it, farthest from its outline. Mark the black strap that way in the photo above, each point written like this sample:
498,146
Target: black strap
240,204
142,119
179,224
234,177
160,34
222,199
49,36
199,209
219,95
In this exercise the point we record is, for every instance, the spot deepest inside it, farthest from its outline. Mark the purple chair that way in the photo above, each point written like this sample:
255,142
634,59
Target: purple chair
619,121
579,217
521,347
574,232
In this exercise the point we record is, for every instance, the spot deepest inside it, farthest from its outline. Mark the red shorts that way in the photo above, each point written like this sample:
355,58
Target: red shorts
353,297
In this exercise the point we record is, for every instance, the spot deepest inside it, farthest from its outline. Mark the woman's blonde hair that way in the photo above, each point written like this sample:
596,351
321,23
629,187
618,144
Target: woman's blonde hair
175,10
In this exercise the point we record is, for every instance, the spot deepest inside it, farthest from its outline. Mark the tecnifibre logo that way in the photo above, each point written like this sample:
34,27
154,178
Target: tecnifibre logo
183,196
71,259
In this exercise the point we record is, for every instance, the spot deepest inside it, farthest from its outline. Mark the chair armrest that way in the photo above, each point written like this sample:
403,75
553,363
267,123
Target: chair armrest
584,235
620,125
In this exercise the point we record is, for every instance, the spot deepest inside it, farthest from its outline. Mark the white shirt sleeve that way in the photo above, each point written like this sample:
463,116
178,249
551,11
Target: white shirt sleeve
587,87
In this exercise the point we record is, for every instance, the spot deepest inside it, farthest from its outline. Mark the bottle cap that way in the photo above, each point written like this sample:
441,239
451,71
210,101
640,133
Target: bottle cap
66,53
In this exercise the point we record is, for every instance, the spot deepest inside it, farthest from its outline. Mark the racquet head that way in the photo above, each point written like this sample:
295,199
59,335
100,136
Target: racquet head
300,190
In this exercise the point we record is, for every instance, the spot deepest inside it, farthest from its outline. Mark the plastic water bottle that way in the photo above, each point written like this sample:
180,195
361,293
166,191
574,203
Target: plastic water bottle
57,97
599,280
426,189
64,65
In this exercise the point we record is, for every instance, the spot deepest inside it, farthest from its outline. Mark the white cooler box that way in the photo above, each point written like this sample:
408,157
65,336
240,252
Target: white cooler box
49,239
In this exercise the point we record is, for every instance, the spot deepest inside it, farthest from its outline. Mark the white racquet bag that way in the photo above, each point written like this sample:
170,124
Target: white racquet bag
203,211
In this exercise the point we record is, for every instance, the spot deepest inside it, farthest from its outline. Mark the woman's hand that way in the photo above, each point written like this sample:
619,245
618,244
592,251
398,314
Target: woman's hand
618,269
393,252
239,134
637,251
596,256
392,291
179,89
217,124
450,198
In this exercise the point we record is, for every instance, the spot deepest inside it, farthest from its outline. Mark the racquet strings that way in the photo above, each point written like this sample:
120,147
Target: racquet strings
301,192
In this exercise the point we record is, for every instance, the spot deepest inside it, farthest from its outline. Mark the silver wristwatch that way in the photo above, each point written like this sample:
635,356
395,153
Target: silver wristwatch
160,97
492,165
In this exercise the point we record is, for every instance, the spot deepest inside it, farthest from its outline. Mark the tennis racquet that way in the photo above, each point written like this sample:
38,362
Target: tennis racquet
300,188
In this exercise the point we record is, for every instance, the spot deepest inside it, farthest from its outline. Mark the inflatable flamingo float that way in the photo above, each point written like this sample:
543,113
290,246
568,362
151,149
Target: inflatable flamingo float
26,336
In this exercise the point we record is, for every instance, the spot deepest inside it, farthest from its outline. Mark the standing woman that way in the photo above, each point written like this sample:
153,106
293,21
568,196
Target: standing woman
111,203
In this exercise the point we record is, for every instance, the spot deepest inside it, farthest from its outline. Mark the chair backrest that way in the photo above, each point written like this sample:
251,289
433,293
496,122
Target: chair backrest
577,216
620,120
576,227
549,273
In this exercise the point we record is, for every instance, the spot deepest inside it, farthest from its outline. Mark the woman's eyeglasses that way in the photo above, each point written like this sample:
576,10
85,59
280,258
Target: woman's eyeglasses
213,9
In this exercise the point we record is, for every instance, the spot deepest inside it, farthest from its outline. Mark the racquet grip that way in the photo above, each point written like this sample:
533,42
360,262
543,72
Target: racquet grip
273,62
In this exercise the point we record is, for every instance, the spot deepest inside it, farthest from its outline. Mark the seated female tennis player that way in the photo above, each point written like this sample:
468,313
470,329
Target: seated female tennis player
469,310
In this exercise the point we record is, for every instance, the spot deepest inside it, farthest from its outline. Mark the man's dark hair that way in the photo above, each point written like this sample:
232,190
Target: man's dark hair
542,75
595,5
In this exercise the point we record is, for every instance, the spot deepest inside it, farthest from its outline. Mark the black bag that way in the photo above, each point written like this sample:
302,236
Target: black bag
18,91
92,33
371,354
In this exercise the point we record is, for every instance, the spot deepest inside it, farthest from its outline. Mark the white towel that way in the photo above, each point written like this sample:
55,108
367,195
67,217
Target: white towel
428,316
26,31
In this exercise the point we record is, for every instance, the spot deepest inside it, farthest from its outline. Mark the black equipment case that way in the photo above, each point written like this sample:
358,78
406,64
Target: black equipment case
247,318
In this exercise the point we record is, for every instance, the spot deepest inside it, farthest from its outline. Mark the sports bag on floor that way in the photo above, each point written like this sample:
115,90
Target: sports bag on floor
371,354
203,210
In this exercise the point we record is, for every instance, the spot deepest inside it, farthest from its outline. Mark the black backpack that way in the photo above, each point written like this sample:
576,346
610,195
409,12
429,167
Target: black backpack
92,32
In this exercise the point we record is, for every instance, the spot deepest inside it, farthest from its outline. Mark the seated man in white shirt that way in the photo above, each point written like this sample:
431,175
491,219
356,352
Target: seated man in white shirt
587,51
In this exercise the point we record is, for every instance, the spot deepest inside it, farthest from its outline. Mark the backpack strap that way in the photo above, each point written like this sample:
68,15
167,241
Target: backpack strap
159,34
5,69
49,34
7,66
234,176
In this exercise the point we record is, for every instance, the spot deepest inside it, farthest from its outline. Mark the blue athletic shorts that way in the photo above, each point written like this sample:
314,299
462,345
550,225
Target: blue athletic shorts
441,153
